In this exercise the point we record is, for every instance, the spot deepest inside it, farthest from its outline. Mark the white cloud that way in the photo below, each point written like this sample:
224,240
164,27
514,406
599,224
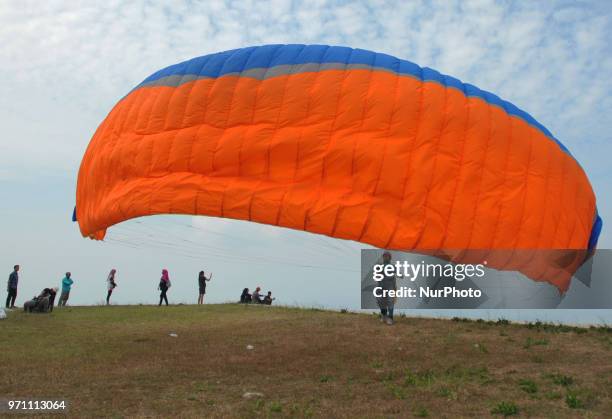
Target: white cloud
64,65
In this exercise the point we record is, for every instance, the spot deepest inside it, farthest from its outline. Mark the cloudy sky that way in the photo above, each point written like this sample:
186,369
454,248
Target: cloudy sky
65,64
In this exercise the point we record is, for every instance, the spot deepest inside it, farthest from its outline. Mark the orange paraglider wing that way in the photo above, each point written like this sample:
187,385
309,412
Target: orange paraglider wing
337,141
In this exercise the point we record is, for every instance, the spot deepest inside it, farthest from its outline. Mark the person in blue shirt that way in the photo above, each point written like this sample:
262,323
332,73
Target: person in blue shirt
66,286
11,287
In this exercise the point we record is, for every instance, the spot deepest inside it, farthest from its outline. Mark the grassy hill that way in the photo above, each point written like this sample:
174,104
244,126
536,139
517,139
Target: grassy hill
120,361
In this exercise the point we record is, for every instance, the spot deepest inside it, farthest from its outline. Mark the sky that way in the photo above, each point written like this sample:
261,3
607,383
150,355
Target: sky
65,65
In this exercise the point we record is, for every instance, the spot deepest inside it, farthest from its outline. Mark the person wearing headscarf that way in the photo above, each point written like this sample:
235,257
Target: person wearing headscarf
245,297
164,284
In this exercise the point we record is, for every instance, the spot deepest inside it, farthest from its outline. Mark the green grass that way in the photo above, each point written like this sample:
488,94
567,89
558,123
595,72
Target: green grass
573,401
560,379
120,361
528,386
421,413
505,409
534,342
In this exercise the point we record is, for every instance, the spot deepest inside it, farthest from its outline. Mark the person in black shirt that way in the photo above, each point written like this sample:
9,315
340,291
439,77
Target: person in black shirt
110,285
202,285
268,298
52,292
245,297
387,303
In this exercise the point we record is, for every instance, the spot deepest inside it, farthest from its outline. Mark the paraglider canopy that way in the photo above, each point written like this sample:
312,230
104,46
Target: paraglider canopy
343,142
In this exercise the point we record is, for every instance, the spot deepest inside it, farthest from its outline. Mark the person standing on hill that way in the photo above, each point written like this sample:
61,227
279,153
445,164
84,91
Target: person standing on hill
164,284
110,285
11,287
387,303
202,285
66,287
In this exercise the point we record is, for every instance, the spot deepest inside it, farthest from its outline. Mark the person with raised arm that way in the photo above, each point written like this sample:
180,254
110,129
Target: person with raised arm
202,285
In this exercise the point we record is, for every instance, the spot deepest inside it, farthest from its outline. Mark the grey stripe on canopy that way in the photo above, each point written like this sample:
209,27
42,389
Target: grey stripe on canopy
264,73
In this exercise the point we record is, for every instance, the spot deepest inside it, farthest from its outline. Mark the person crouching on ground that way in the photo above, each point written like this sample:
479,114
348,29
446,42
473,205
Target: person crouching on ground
110,285
386,303
202,285
52,293
43,303
35,304
164,284
66,287
268,299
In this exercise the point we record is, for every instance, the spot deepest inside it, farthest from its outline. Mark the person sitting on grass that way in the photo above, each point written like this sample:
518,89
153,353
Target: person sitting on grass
42,303
35,304
245,297
268,299
257,296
